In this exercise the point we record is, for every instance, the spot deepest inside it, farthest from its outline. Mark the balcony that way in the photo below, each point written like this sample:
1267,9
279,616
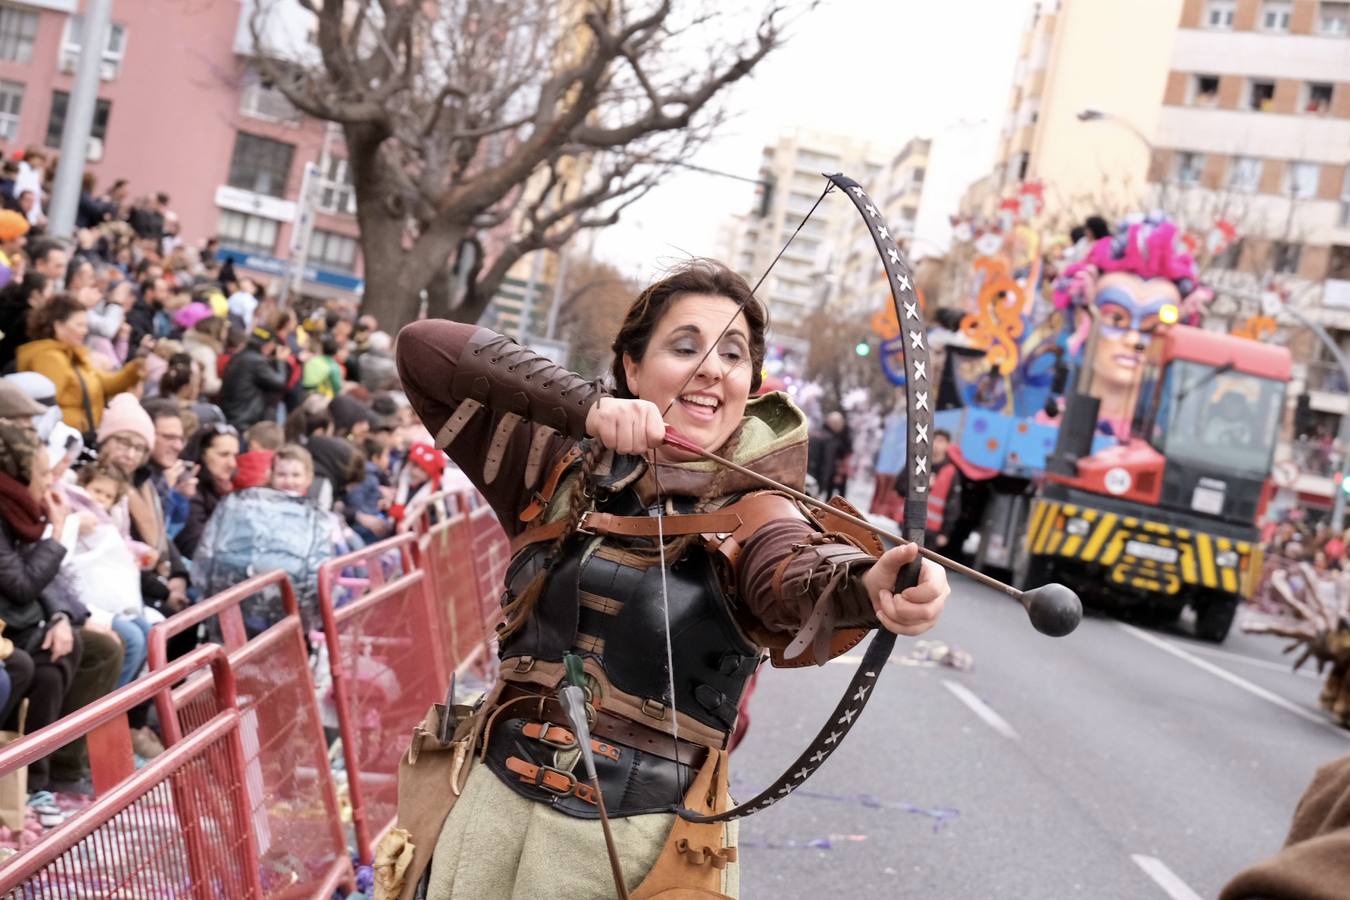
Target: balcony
1328,389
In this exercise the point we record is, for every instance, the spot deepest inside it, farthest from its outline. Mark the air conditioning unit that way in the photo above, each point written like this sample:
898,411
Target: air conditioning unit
68,63
107,71
95,149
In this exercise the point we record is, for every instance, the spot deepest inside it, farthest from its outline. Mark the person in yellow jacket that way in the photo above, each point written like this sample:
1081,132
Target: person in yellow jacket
58,352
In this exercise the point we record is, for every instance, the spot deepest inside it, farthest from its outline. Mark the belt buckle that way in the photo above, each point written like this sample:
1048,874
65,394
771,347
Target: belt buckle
549,770
559,743
582,527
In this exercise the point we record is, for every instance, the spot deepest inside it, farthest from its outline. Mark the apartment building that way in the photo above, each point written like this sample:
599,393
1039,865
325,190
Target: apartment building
181,109
799,282
1085,99
1255,127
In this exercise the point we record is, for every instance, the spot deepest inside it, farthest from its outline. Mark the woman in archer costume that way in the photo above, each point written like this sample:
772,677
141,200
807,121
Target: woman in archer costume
579,477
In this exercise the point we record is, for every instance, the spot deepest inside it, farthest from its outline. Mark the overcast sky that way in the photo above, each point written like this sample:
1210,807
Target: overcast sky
885,71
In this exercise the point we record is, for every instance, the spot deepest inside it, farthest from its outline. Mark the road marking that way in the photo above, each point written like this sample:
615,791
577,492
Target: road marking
981,709
1235,680
1165,878
1286,668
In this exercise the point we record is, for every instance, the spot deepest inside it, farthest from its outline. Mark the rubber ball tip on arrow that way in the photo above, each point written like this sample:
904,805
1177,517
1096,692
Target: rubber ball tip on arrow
1054,610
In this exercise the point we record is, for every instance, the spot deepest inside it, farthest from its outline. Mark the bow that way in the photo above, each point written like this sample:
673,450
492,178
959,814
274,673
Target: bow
1053,609
914,348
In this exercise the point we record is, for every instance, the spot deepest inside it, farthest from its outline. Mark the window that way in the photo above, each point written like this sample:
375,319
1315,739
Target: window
1219,13
1317,97
251,234
1338,267
1275,15
1244,174
1189,167
1262,97
917,175
1302,180
260,164
18,28
262,101
114,47
337,194
11,100
1284,257
1021,162
57,122
330,250
1231,257
1333,18
1205,90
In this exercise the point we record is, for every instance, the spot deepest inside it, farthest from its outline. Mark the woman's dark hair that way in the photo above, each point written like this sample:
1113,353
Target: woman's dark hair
215,328
177,376
204,439
307,419
42,321
18,293
698,276
328,345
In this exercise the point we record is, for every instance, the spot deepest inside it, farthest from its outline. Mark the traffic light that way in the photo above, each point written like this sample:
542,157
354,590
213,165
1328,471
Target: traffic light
1343,482
863,348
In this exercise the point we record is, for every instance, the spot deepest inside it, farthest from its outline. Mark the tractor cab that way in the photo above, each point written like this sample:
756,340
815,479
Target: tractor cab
1206,419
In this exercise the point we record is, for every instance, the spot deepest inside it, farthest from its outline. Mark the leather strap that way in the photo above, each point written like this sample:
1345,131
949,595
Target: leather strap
612,728
497,448
455,424
564,739
544,495
555,781
720,523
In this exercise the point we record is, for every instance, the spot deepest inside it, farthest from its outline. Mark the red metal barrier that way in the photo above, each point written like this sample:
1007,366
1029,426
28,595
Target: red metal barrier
445,550
491,556
388,668
176,828
292,801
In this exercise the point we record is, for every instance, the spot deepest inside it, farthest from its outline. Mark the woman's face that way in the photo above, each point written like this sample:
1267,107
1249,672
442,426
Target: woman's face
1128,308
221,459
39,475
122,296
73,330
710,407
126,451
82,276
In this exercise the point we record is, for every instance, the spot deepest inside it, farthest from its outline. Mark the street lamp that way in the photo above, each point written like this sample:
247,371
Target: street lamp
1096,115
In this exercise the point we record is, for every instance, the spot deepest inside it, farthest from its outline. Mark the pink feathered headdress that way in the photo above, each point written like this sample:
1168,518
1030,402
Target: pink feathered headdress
1146,249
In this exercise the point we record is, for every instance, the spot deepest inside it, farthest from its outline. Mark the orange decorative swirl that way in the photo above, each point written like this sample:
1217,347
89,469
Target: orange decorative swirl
997,325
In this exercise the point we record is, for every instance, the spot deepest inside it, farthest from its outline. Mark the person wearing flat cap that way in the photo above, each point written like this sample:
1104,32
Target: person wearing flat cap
255,380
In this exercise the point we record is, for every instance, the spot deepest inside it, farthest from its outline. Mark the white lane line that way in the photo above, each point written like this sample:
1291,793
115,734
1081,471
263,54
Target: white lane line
981,709
1286,668
1235,680
1165,878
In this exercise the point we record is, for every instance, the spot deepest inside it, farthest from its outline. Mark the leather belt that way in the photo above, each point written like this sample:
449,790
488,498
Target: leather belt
555,781
564,739
613,729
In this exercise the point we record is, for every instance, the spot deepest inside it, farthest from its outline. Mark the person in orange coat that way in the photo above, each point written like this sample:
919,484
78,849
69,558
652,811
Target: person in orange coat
57,351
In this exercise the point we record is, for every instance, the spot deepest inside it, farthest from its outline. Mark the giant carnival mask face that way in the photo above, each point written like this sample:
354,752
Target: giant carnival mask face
1129,310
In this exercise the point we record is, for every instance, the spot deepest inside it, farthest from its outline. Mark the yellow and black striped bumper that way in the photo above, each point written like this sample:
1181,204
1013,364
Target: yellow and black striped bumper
1137,553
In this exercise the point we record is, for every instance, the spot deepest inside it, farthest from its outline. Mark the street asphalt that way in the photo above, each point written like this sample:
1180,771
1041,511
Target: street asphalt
1117,762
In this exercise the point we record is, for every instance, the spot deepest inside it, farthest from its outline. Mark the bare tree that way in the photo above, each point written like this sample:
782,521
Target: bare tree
510,123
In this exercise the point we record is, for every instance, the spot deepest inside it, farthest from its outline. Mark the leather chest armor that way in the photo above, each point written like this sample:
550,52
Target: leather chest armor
603,602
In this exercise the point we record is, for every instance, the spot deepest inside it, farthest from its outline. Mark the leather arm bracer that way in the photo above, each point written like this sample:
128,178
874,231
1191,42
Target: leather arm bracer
506,377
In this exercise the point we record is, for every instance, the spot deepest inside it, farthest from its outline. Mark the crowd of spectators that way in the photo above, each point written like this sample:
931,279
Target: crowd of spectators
154,402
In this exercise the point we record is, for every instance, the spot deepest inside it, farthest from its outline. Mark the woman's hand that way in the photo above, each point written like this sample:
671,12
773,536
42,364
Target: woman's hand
59,639
93,626
58,509
626,426
914,610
